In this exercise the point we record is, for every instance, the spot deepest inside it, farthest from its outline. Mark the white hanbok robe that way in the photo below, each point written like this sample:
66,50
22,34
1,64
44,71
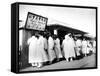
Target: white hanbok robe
68,47
32,42
40,48
51,52
72,47
89,47
84,47
78,47
58,48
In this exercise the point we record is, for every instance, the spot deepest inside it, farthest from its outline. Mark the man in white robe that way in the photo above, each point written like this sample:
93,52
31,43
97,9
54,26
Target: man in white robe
51,52
42,56
32,42
78,46
46,49
89,46
66,47
58,48
72,48
84,47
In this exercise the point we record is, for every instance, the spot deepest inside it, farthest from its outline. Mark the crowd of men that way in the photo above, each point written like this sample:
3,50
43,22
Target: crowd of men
43,49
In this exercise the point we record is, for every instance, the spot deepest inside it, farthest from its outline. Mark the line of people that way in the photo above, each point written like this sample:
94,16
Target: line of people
43,49
85,46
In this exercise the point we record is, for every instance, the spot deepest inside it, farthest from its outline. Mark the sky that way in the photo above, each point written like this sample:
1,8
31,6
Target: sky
78,18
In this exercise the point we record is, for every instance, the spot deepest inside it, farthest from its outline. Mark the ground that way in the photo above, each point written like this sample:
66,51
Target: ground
88,61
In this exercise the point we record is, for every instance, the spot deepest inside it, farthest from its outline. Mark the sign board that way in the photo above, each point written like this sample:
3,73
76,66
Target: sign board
36,22
55,32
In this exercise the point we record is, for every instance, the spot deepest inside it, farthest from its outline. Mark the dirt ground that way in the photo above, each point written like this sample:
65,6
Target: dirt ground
89,61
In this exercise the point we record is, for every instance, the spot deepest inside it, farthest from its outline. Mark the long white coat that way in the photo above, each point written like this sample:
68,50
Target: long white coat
72,47
57,48
51,52
32,42
84,46
89,47
78,46
40,48
68,47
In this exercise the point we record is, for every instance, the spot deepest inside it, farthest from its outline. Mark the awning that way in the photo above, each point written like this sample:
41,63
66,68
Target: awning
64,28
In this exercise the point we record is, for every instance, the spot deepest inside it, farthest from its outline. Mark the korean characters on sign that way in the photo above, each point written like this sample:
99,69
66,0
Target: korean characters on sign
36,22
